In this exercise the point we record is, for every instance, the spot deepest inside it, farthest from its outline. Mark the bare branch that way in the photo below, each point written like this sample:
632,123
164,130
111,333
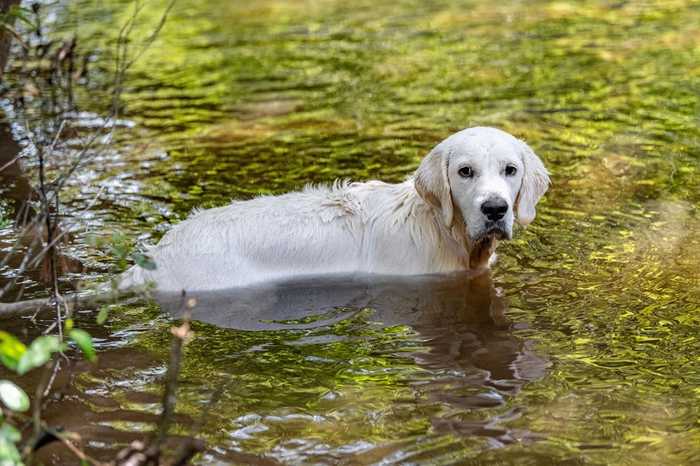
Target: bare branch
180,336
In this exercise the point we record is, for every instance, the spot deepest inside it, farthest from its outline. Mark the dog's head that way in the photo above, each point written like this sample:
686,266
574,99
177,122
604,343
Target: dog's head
485,178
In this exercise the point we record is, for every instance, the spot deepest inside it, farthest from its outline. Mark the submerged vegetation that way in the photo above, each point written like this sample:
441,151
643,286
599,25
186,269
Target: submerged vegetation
583,345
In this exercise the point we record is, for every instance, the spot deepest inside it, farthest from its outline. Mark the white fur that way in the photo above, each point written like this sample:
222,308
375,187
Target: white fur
426,224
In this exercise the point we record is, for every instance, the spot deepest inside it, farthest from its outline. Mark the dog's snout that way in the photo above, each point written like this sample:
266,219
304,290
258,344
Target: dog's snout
494,208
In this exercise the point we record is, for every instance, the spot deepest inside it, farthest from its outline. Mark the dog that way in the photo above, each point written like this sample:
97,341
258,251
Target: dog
447,217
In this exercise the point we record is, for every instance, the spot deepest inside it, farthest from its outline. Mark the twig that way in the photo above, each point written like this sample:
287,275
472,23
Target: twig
40,393
64,232
48,217
120,59
23,308
149,40
38,404
15,34
138,453
22,268
46,207
76,451
180,335
12,161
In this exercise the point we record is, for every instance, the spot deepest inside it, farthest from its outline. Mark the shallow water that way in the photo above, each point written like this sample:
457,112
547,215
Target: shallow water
581,348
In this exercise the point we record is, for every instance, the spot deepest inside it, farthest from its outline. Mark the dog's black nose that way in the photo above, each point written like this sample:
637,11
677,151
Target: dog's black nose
494,209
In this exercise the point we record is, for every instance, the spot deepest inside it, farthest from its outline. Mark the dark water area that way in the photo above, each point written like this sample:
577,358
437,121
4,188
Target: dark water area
582,345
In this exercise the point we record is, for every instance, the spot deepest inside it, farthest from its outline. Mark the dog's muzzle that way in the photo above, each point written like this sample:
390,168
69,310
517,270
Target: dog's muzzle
496,229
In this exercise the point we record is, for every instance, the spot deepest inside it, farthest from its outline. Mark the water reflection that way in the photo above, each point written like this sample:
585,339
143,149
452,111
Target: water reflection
606,278
434,358
14,185
313,301
462,319
468,356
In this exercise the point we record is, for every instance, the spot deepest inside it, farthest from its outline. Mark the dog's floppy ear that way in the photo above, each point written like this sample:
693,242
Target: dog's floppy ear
433,184
534,185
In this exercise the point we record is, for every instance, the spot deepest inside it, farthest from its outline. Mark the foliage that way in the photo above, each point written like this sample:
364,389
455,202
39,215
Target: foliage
13,397
39,353
9,437
84,342
20,13
605,280
604,284
121,250
43,88
21,359
11,350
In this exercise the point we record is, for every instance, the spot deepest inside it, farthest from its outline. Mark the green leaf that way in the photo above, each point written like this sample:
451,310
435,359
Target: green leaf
8,432
9,455
13,397
144,261
84,342
39,352
120,245
102,315
11,350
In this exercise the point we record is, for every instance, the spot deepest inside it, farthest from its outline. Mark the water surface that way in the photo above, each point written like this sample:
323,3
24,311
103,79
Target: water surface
580,348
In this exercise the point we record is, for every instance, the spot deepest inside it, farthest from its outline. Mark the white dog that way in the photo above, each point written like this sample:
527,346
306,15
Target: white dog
447,217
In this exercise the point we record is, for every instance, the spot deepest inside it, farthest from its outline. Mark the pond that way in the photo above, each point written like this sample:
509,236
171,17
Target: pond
582,345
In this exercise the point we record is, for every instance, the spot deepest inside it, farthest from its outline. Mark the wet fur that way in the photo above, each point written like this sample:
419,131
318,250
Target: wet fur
408,228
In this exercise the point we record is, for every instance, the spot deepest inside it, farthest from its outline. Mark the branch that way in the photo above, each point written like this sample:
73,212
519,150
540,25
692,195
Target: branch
181,335
23,308
29,307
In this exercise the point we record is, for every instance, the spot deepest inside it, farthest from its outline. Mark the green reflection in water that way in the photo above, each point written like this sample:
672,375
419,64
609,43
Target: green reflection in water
605,286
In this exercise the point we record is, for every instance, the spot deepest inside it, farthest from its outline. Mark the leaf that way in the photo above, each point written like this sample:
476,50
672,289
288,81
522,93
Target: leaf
13,397
8,432
144,261
84,342
11,350
102,315
119,246
39,352
9,456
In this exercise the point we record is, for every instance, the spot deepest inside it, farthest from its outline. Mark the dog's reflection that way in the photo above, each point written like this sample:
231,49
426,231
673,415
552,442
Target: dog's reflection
462,319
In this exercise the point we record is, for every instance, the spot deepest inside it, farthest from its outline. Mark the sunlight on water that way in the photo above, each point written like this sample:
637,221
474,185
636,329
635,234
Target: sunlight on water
584,348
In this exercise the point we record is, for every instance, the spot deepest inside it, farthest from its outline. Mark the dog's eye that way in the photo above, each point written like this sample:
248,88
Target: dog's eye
511,170
466,172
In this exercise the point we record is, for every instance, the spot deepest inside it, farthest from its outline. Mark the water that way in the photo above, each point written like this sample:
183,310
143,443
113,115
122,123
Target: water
580,348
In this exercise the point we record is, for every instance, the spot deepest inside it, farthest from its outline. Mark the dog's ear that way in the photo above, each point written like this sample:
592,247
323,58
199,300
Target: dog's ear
433,184
534,185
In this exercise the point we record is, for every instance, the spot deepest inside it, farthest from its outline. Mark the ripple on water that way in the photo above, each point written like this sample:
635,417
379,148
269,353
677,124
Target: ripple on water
581,348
